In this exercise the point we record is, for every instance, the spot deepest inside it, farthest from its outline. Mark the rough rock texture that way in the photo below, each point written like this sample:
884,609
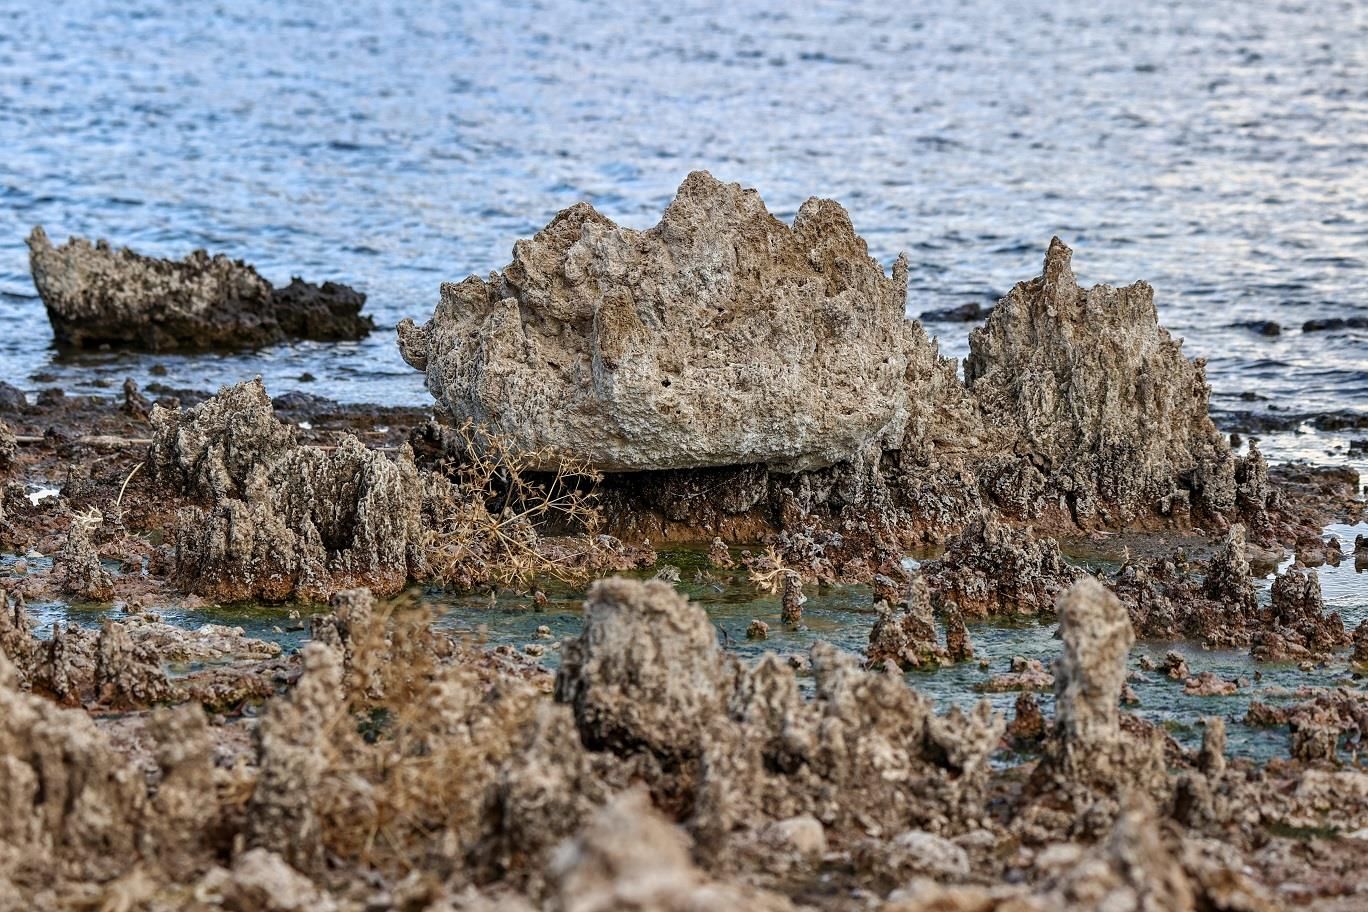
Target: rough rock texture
630,859
721,336
262,881
127,674
1295,626
78,569
994,569
907,637
293,739
1090,674
8,447
647,681
1107,414
645,672
69,800
1360,654
1093,755
98,296
1171,598
283,520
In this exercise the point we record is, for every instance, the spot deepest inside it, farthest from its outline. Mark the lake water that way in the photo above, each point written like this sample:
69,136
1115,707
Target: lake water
1218,150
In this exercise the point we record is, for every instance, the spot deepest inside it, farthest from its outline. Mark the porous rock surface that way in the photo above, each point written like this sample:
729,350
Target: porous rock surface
994,569
648,681
1090,675
645,671
97,296
720,336
1104,411
281,519
630,857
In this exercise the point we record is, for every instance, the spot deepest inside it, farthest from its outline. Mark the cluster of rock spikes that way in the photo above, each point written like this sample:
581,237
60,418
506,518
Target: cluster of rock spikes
662,775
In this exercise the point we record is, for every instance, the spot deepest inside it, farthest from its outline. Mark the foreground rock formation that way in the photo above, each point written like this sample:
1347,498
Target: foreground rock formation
97,296
278,519
720,336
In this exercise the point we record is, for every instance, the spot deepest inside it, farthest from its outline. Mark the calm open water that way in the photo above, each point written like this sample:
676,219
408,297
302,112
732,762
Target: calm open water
1218,150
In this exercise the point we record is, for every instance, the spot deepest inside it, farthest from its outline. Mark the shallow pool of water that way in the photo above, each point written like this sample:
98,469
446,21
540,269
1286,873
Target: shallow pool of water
843,616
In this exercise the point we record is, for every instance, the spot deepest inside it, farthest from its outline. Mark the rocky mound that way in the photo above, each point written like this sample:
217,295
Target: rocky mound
719,337
1105,413
98,296
282,520
994,569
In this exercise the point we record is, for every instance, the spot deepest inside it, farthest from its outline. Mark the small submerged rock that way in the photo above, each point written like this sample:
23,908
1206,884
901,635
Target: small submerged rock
994,569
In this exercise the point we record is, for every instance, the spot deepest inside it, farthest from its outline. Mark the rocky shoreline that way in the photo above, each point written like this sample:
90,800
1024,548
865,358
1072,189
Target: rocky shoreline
722,379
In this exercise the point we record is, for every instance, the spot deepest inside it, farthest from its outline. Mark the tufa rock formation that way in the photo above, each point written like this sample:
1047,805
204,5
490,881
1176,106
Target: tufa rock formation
993,569
98,296
1107,419
645,672
648,682
279,519
719,337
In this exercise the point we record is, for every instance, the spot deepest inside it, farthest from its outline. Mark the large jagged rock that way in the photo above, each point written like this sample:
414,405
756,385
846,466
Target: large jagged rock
994,569
1108,417
721,336
281,519
98,296
127,674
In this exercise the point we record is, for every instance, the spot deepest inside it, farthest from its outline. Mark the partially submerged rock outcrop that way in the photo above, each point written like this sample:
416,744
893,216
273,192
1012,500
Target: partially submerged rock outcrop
719,337
648,682
281,519
906,635
1295,625
97,296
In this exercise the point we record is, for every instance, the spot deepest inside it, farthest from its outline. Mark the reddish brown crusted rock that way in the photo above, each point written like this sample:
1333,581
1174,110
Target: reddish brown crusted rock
994,569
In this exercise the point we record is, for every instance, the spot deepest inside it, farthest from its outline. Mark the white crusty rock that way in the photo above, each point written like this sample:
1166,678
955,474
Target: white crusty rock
720,336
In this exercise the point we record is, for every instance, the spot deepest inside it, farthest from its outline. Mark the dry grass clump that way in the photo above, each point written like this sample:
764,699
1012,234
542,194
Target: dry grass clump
419,747
488,512
767,571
